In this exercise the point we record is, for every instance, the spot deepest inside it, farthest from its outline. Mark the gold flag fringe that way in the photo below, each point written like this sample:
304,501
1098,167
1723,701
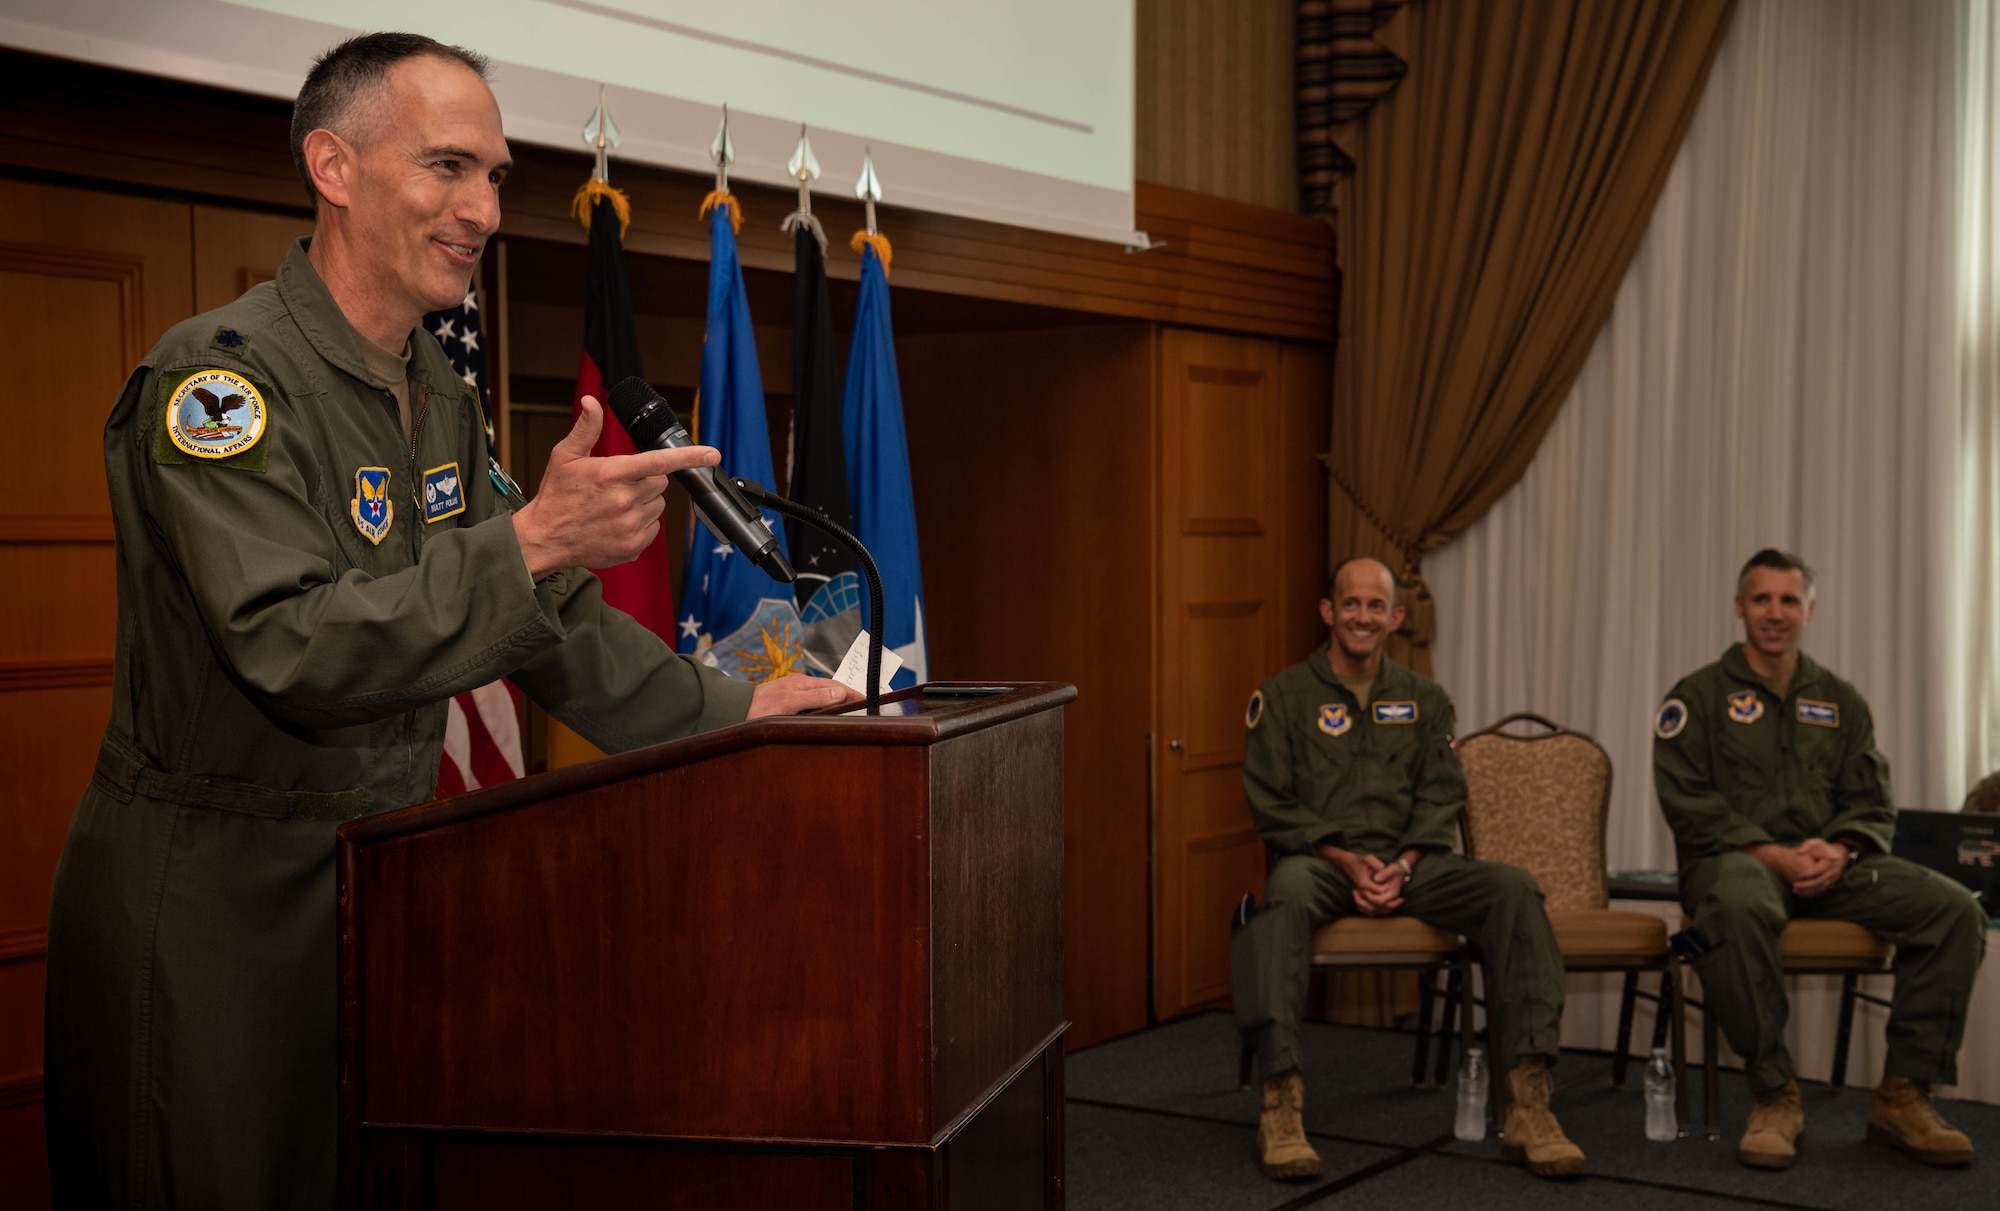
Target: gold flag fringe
586,199
878,241
719,197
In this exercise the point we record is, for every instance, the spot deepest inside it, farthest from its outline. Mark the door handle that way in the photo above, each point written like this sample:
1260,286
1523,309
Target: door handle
1177,745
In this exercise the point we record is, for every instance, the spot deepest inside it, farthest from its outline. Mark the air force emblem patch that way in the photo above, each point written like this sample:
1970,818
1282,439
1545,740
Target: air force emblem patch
215,414
1673,719
1335,719
443,494
373,510
1395,712
1745,706
1819,714
1254,715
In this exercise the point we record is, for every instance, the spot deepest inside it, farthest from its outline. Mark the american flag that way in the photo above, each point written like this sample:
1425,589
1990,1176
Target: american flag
482,734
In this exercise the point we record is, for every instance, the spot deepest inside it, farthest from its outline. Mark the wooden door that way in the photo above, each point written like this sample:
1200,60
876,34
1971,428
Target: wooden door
236,249
1242,527
88,282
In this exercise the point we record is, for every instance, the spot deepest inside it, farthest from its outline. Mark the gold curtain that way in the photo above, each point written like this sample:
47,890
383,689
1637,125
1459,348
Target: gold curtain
1499,193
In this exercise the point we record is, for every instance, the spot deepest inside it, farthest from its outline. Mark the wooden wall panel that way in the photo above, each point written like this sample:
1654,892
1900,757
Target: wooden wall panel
235,249
1031,459
88,282
1215,98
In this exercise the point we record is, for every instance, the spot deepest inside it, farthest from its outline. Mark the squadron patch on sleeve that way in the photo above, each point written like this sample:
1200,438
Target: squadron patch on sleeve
1672,720
210,415
1254,714
1745,706
372,509
1335,719
1819,714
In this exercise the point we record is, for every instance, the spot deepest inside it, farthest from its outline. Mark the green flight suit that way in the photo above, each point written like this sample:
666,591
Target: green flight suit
278,670
1375,778
1735,766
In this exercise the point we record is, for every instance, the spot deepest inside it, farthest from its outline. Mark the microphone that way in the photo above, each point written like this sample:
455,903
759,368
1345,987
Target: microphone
651,423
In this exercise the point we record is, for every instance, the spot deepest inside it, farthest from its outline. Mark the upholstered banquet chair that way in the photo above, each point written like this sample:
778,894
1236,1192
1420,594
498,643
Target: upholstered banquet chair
1538,801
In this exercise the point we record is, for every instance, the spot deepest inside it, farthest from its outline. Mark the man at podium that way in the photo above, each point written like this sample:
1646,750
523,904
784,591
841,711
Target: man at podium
314,555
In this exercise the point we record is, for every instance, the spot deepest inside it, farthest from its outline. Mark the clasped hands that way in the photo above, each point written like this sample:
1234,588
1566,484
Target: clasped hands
1378,885
593,512
1811,868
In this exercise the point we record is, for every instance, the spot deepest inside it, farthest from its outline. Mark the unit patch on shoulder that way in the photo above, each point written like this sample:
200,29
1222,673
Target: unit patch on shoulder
1335,719
1745,706
1254,714
372,509
444,496
1819,714
211,415
1673,719
1395,712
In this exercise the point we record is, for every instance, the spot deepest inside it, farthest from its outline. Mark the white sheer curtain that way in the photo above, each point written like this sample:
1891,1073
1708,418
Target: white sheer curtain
1804,354
1780,369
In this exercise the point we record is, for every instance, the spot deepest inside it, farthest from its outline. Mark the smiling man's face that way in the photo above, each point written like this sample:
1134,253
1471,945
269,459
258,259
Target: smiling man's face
1775,606
429,160
1362,610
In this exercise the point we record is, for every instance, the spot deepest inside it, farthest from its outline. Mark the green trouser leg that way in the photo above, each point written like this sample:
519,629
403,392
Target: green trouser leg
1497,906
1938,929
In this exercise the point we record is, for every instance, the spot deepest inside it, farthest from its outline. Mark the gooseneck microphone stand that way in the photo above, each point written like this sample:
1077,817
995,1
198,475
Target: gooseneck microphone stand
840,534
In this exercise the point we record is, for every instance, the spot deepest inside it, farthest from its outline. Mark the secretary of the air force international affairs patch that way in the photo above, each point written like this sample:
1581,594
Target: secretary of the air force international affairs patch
1673,719
1254,714
372,508
212,415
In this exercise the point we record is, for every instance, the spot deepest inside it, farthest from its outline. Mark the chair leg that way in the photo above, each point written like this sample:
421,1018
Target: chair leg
1461,980
1426,993
1621,1058
1845,1034
1500,1062
1453,994
1673,1010
1711,1044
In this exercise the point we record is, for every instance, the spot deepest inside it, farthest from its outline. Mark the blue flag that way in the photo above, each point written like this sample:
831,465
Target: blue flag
878,472
733,615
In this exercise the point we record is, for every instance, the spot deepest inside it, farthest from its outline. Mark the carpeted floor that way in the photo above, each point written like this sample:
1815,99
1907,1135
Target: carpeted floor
1156,1121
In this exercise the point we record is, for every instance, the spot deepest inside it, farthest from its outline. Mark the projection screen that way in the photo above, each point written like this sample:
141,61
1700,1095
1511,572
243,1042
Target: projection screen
1017,112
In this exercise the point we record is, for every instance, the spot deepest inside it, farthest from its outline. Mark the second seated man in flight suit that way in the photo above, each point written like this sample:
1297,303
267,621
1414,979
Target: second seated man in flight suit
1353,779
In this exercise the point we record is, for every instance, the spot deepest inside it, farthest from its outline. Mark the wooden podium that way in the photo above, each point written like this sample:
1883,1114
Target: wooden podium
812,961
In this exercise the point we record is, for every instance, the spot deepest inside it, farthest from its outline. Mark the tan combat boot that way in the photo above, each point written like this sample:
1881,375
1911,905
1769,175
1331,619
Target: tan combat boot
1532,1133
1281,1134
1902,1117
1776,1123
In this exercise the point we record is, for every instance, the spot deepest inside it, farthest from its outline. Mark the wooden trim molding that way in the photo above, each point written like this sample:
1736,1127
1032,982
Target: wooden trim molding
22,1090
31,942
126,273
56,528
18,675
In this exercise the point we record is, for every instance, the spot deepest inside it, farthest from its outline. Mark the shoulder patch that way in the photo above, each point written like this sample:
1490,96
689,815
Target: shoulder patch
1672,720
1745,706
210,415
1335,719
1252,715
1819,714
1395,712
371,508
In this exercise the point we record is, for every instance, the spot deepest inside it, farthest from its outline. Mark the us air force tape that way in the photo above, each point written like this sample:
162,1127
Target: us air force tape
1673,719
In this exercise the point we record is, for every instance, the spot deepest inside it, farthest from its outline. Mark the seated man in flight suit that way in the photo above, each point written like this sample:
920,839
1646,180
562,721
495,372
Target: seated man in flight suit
1352,777
1768,773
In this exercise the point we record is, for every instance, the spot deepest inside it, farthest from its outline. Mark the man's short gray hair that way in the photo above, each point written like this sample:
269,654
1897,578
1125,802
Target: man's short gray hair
1773,558
348,73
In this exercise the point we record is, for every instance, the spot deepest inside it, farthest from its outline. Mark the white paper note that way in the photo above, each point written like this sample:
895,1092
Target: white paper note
853,671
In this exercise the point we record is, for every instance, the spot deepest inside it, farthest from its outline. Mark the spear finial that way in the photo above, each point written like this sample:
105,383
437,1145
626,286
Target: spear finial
868,188
723,152
601,133
804,168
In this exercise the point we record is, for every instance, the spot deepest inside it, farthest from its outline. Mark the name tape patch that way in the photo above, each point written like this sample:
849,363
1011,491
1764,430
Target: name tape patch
1395,712
1819,714
444,495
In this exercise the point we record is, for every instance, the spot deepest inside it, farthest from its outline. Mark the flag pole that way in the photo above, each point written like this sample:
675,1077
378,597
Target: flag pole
804,167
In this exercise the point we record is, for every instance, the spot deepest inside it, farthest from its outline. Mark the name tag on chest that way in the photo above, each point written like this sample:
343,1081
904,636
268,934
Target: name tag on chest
1820,714
444,493
1395,712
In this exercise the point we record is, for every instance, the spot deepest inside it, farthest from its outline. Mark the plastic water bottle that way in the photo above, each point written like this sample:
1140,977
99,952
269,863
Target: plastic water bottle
1471,1123
1660,1124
